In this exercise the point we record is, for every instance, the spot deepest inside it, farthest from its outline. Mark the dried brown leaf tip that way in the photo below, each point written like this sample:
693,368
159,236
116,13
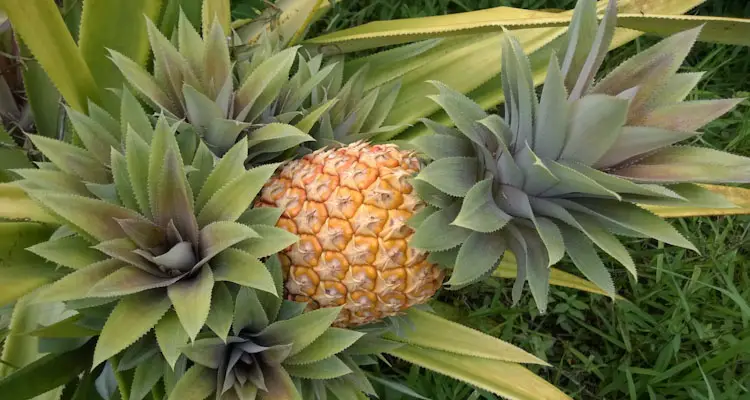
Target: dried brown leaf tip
562,173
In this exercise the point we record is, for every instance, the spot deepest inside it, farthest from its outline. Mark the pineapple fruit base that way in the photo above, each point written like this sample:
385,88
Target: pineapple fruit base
349,207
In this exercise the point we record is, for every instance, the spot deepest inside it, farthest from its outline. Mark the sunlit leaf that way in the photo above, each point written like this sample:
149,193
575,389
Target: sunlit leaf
132,318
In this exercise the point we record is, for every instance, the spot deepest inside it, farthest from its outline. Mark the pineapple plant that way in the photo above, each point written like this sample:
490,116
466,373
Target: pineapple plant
165,269
568,171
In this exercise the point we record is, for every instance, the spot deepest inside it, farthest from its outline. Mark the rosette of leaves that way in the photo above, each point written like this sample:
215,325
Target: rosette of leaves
224,96
144,230
563,174
275,351
352,110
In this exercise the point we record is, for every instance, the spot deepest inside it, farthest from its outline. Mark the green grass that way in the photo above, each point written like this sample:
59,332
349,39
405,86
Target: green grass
684,330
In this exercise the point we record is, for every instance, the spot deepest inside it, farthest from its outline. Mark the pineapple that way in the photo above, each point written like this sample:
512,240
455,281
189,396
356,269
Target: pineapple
350,208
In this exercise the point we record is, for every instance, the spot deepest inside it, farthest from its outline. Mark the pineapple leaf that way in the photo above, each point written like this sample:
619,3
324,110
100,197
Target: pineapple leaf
594,125
271,241
446,259
263,85
192,300
71,251
514,382
35,178
248,312
329,368
477,256
54,48
229,202
279,384
583,255
553,114
687,116
201,110
20,279
605,240
206,352
535,263
71,159
203,163
275,137
197,384
145,377
239,267
580,38
35,379
229,167
695,195
261,216
143,83
96,138
301,331
431,331
689,164
123,187
638,140
537,177
219,236
137,157
307,123
462,111
573,181
631,217
133,115
217,63
479,212
677,88
170,336
191,44
77,284
330,343
222,305
132,318
442,146
658,62
436,232
431,195
222,134
740,197
452,175
128,280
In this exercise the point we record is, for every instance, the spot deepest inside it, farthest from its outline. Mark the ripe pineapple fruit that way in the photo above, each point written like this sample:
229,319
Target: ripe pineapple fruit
349,207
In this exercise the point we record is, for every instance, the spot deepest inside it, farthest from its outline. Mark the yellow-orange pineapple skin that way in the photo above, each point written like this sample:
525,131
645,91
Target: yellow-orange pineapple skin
349,207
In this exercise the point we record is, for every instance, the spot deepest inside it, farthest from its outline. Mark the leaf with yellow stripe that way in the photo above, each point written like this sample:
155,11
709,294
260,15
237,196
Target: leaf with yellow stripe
740,197
43,30
216,9
98,33
507,269
16,205
504,378
291,23
385,33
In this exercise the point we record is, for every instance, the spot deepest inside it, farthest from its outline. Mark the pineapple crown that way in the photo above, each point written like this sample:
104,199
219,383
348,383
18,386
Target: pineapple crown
223,100
147,229
276,351
354,111
225,95
563,173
